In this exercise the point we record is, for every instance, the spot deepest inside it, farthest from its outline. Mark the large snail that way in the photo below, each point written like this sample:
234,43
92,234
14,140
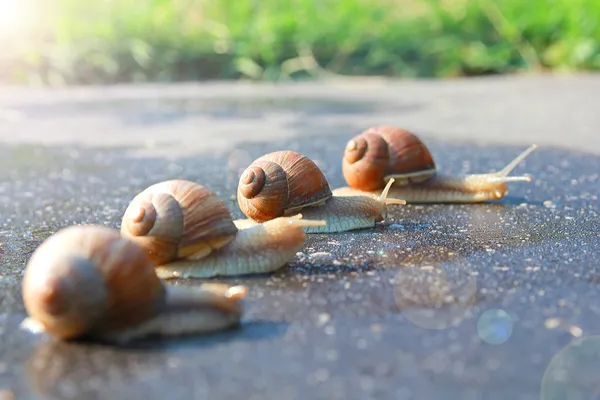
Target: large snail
88,281
282,183
382,153
187,230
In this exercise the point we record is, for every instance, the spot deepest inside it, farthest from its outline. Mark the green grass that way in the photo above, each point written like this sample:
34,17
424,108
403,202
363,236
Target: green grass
169,40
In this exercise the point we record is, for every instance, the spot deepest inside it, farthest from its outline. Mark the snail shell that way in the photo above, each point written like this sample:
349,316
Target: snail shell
280,184
90,280
385,152
178,219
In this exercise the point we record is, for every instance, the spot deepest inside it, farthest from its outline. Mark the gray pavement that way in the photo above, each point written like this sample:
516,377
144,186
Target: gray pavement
484,301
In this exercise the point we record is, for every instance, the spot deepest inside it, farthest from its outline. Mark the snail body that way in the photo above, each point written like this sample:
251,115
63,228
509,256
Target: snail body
382,153
258,248
88,281
188,231
285,182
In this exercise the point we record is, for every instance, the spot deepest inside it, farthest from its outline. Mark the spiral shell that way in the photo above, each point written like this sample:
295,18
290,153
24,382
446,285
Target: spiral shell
87,279
384,152
178,219
281,183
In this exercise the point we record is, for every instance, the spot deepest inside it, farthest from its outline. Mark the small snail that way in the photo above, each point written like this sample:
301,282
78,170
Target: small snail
284,182
188,232
385,152
88,281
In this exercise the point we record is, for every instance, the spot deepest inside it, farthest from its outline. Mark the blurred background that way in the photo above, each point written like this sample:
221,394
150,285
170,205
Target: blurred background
66,42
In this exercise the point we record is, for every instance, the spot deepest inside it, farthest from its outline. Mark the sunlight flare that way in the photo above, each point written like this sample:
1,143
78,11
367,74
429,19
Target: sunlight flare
16,16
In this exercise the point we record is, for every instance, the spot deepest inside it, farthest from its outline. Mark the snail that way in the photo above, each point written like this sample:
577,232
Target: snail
282,183
88,281
188,232
382,153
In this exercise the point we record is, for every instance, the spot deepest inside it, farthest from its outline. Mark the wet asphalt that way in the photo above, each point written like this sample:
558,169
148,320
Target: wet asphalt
481,301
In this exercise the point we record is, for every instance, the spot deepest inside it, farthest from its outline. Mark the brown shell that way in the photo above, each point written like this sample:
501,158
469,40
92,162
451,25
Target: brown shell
281,183
407,152
366,164
263,191
86,279
178,218
160,237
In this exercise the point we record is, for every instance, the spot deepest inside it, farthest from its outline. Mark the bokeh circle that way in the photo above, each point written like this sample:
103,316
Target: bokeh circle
573,372
435,297
495,326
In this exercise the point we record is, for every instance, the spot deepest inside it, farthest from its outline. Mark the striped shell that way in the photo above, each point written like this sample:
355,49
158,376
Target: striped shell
384,152
281,183
178,219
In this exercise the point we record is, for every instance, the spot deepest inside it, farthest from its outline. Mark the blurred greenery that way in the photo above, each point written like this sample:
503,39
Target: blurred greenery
169,40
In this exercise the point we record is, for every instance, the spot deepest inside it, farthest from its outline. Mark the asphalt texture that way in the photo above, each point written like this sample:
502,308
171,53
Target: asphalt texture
481,301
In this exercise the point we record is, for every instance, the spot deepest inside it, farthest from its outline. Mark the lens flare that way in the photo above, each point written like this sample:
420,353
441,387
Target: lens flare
573,372
439,297
495,326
